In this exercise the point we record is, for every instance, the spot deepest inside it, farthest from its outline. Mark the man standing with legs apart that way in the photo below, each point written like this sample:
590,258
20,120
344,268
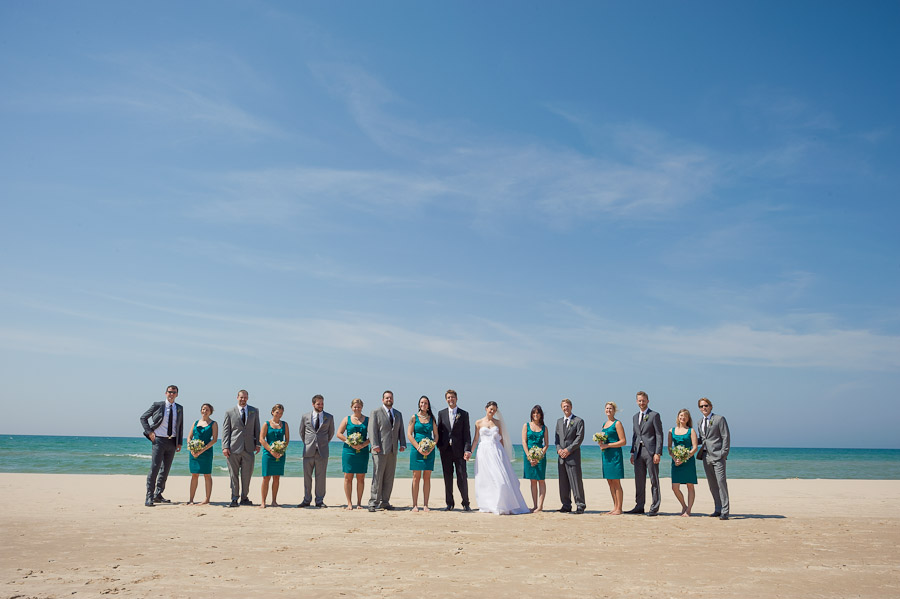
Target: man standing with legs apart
455,445
316,430
240,444
386,435
646,449
163,425
715,443
569,436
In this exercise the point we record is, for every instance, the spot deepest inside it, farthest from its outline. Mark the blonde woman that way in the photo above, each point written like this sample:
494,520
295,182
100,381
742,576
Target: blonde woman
613,464
354,458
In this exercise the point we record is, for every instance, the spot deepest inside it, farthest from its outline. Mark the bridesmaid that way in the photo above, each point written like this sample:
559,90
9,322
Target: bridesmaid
684,435
272,461
534,434
421,426
354,458
613,465
200,462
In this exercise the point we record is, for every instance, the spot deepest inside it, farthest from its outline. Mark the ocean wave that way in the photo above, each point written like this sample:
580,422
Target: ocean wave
142,456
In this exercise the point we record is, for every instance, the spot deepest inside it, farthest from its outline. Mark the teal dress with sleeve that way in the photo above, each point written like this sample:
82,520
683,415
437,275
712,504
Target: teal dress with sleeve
535,439
352,461
613,465
687,472
202,464
422,431
271,466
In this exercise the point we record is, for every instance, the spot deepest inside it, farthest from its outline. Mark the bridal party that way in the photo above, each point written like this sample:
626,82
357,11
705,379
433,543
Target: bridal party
377,444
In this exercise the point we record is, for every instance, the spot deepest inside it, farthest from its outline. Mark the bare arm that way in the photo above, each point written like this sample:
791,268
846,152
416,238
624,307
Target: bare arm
342,429
693,441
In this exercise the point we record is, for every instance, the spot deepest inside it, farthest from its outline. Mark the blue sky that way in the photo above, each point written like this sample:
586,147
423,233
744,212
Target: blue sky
522,201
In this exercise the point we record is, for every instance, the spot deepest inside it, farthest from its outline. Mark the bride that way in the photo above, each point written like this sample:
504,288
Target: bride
496,485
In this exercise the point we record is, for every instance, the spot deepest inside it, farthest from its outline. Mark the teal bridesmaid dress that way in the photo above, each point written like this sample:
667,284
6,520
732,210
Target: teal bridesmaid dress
352,461
202,464
422,431
687,472
613,465
271,466
535,439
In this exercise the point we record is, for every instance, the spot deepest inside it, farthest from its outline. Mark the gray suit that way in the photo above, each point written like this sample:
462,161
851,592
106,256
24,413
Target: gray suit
164,448
243,441
570,481
387,438
315,453
715,444
646,441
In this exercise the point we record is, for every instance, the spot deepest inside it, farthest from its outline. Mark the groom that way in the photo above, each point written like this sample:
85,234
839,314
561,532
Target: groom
569,437
455,444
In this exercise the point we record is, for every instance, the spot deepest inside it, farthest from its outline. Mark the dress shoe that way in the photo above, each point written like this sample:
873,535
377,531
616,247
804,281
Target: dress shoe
715,514
579,510
149,502
723,517
320,504
449,508
304,504
635,510
160,499
372,508
651,514
565,510
234,503
387,506
466,508
246,501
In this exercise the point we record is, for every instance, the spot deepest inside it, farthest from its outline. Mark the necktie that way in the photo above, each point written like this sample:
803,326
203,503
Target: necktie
705,425
169,425
391,414
243,415
317,421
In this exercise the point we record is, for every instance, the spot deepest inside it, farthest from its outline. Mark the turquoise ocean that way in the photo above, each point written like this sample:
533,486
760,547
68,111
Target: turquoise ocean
130,455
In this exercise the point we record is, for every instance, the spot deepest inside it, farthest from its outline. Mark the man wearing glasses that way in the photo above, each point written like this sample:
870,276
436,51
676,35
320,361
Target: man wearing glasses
715,442
163,424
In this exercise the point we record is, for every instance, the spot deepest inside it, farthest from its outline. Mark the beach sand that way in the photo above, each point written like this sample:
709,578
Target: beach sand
87,535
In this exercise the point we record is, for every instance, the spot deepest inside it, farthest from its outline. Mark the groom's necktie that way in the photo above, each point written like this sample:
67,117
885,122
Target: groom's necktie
169,425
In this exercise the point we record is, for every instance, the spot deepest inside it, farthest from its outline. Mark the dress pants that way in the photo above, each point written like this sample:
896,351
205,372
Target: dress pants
718,486
161,457
383,467
449,464
315,464
240,469
571,483
643,465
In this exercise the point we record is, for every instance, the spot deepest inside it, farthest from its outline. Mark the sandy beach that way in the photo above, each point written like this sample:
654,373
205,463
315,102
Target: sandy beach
87,535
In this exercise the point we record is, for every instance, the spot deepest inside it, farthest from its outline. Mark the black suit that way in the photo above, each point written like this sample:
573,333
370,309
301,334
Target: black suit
164,448
453,444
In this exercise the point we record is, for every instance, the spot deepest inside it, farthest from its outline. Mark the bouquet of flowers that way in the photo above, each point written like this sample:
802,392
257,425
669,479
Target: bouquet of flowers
278,447
196,445
600,438
355,440
425,445
536,453
681,453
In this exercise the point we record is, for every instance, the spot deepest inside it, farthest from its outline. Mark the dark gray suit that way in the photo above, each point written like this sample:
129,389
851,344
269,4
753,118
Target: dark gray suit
315,453
164,447
242,440
454,442
387,438
646,441
715,444
570,481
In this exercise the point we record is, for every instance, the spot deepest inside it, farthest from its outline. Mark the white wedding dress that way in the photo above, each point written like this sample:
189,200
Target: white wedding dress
496,486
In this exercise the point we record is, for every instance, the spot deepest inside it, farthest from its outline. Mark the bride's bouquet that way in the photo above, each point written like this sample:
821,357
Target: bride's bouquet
425,446
535,453
278,447
681,453
196,445
600,438
354,440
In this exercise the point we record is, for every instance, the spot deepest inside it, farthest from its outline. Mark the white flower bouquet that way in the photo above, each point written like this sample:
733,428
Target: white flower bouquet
680,453
600,438
425,446
536,453
278,447
354,440
196,445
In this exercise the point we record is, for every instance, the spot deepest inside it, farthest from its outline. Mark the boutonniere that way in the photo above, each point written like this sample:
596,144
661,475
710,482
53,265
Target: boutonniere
456,417
646,417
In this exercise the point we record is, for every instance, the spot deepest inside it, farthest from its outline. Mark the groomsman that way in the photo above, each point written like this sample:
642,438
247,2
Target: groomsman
455,445
240,444
715,443
316,430
163,424
646,449
385,435
569,437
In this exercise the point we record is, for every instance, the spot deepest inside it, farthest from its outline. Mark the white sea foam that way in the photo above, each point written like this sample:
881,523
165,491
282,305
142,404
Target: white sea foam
142,456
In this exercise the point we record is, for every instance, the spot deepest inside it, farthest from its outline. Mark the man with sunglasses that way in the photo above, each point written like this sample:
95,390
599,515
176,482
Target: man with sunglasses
163,424
715,442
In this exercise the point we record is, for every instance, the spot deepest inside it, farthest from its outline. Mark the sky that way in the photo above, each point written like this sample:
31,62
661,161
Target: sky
522,201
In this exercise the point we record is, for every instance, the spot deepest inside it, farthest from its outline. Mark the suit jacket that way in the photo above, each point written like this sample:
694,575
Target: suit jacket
570,438
237,436
648,431
153,417
315,442
384,436
716,443
458,440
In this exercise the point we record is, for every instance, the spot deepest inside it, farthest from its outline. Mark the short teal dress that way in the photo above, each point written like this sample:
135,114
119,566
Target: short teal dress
687,472
353,462
535,439
203,464
613,465
422,431
271,466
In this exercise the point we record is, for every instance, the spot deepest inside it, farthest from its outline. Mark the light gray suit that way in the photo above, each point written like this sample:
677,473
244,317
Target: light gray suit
715,444
387,438
315,452
570,480
646,441
243,441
